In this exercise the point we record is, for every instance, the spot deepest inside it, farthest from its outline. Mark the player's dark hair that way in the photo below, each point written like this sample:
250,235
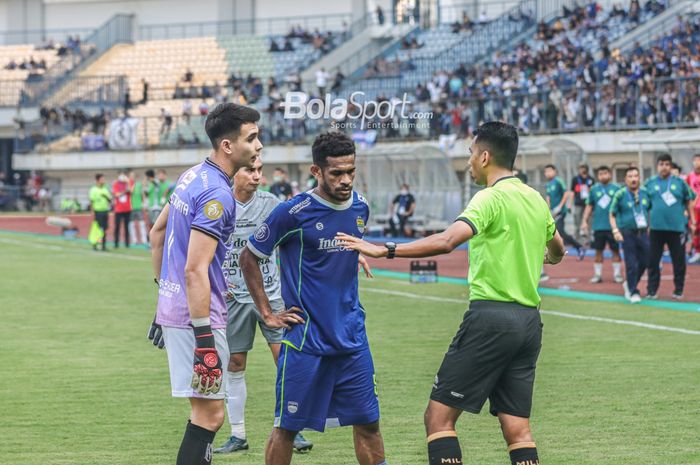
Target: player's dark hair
98,176
150,173
697,155
664,157
631,168
331,144
676,166
226,119
585,166
550,166
603,168
501,140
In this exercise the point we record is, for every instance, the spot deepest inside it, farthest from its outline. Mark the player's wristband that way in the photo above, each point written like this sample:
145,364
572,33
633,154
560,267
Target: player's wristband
204,337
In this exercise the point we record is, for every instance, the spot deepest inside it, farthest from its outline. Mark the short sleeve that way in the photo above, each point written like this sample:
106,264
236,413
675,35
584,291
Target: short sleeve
551,226
615,201
688,193
480,211
590,200
562,186
214,212
275,230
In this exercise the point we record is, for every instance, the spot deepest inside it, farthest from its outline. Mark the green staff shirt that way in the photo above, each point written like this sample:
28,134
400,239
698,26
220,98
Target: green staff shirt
137,196
556,190
512,226
625,206
100,198
669,198
164,190
152,195
600,199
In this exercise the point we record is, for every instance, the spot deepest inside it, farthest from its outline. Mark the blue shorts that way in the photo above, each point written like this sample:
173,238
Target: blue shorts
317,391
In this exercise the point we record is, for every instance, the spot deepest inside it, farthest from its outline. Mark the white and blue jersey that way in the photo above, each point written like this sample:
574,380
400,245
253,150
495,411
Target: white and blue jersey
318,276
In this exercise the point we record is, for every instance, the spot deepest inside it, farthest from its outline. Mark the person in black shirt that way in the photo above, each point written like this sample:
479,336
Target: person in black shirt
581,187
402,208
280,187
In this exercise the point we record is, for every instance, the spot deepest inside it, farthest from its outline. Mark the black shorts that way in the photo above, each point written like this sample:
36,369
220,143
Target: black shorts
493,356
600,238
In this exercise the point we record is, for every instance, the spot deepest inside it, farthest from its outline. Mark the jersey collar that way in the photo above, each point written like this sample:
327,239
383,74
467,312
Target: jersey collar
243,205
217,167
342,206
502,179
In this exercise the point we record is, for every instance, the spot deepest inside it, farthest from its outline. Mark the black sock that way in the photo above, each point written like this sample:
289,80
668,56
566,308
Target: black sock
445,451
196,446
524,453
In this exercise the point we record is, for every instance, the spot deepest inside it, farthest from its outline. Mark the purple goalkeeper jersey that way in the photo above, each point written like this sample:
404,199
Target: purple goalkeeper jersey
202,200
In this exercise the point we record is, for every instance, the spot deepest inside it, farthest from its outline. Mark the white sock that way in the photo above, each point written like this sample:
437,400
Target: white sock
236,394
132,232
598,268
617,268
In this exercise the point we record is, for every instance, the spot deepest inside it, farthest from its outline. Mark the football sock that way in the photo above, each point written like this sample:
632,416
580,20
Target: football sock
195,448
617,268
523,453
443,449
598,268
236,394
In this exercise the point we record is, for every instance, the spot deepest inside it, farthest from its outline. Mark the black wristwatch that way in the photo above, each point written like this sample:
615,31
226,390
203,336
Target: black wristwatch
391,246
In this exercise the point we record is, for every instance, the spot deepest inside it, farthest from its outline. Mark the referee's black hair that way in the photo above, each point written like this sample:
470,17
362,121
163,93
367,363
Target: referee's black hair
331,144
226,120
501,140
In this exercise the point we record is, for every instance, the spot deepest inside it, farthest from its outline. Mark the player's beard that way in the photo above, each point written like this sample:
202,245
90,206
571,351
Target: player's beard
335,194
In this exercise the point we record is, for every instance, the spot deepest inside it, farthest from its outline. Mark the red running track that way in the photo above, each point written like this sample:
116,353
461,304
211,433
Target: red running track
570,274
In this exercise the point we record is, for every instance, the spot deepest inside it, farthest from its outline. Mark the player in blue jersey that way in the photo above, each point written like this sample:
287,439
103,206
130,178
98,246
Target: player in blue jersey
325,374
187,256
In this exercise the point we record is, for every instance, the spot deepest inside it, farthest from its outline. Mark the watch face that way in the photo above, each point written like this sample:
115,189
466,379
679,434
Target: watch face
391,244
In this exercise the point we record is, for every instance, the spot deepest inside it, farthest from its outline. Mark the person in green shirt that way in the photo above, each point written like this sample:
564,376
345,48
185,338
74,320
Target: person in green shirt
598,205
165,188
558,199
512,233
100,203
137,225
629,220
671,198
152,202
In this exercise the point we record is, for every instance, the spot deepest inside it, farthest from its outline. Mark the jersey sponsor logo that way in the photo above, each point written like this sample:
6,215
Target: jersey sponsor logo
262,233
180,205
205,179
361,198
330,245
292,407
319,226
361,225
187,178
452,460
168,288
300,206
213,209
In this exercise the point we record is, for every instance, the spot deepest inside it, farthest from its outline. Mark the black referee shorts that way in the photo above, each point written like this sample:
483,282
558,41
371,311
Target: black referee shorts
600,238
493,356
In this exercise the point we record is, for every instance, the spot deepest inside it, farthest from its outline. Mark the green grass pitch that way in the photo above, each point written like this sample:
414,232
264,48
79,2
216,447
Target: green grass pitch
81,385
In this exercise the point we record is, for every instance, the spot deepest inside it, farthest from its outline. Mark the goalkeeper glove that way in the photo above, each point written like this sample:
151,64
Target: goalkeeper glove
155,334
206,370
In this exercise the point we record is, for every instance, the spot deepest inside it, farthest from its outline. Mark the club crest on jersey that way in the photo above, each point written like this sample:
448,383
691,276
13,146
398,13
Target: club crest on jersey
319,226
360,225
262,233
213,209
292,407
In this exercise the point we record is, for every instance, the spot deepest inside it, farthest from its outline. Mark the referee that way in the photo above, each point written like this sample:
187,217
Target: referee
496,347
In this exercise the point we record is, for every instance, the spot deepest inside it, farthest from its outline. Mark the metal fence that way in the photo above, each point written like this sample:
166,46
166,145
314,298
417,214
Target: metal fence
261,26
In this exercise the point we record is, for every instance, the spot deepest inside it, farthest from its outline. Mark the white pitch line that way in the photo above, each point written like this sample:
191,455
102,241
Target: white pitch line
58,248
545,312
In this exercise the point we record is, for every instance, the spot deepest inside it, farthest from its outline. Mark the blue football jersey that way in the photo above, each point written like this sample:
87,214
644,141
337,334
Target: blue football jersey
318,275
